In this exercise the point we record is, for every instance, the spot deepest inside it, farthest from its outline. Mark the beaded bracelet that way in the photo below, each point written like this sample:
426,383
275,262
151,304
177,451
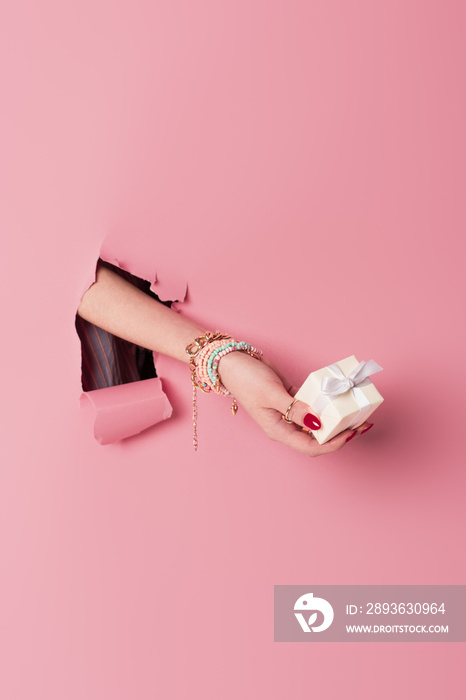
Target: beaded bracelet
204,370
215,357
205,353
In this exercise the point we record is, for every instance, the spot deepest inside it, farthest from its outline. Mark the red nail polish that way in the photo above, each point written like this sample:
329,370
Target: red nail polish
350,437
312,422
366,429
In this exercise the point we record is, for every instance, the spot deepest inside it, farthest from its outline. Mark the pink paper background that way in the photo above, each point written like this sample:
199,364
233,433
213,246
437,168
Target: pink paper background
301,166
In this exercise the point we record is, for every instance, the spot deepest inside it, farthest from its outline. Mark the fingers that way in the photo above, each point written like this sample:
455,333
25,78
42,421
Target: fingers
364,428
299,439
299,413
340,440
360,430
289,434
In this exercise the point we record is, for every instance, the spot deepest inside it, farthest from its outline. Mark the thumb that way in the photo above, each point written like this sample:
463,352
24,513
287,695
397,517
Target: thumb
299,413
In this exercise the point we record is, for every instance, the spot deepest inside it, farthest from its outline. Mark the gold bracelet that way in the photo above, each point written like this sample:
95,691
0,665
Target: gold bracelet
193,350
204,375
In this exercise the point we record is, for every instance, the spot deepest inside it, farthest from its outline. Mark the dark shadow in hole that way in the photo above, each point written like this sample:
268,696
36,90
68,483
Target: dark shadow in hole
106,359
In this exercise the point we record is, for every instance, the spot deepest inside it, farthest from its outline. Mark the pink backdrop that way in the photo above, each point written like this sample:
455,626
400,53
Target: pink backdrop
300,165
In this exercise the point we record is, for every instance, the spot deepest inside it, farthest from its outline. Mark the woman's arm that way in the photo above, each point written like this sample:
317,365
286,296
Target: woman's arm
117,306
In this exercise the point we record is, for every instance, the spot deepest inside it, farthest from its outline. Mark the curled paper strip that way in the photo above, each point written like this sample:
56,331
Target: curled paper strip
127,409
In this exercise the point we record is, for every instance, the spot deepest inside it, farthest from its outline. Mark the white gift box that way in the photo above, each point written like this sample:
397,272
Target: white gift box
342,395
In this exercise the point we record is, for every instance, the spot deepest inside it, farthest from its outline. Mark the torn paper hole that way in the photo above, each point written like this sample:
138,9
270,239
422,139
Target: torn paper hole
119,378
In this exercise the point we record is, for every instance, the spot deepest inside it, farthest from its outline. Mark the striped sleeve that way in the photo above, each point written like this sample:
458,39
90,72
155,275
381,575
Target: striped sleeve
108,360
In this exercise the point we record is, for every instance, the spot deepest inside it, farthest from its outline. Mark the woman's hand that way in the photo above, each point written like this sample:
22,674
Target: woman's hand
265,394
117,306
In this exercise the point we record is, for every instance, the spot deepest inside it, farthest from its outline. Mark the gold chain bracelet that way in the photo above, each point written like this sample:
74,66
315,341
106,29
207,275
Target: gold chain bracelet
211,382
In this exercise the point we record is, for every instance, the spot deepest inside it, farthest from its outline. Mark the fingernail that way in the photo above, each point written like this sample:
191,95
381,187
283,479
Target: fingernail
350,437
312,422
366,429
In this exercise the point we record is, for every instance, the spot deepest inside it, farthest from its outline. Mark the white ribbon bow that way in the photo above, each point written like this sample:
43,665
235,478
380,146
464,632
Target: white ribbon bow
334,387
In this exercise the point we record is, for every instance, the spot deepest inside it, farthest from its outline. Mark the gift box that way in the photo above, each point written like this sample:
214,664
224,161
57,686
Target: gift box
342,395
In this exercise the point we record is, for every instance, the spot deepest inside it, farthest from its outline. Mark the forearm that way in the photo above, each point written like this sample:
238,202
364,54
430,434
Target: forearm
119,307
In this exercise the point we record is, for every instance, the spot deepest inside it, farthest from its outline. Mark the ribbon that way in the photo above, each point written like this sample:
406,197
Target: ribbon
333,387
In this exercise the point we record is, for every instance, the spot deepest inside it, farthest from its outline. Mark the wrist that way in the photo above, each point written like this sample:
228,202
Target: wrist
232,366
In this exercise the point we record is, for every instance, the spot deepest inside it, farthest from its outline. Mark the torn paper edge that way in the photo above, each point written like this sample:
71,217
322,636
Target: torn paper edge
125,410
